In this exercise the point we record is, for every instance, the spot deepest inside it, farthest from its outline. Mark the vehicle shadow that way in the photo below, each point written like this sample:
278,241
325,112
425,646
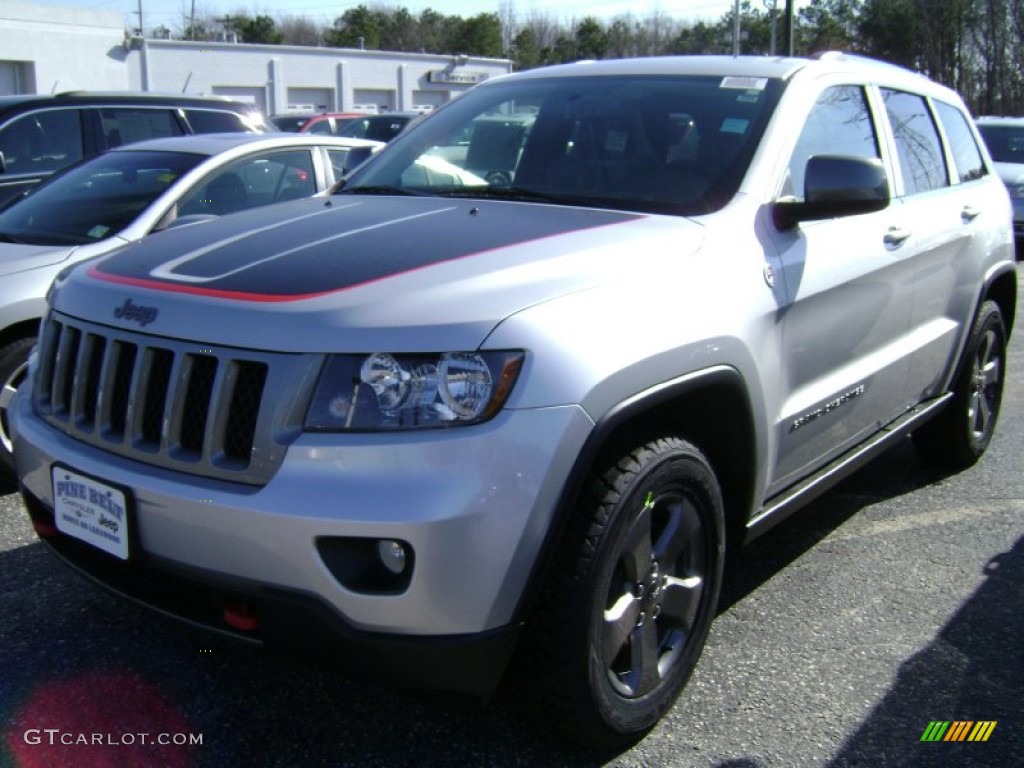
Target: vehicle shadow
7,484
972,671
81,661
897,472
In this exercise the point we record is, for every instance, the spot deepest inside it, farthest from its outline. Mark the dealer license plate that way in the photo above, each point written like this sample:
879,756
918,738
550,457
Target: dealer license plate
91,511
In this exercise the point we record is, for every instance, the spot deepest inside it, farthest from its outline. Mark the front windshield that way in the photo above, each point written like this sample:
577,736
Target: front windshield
669,144
95,199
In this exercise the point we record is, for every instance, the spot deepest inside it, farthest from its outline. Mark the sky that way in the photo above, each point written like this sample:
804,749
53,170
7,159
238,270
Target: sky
170,13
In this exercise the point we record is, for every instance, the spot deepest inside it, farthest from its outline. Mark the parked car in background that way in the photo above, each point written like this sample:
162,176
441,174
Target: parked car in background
1004,137
40,134
129,192
324,123
382,127
437,420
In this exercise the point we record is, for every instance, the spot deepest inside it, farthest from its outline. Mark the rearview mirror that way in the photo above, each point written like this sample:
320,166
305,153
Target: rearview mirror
356,157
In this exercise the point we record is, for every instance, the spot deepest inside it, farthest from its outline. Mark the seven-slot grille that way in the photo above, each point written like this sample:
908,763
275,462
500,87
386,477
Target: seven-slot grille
192,408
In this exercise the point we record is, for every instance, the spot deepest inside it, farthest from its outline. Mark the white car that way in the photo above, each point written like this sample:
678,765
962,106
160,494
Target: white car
128,193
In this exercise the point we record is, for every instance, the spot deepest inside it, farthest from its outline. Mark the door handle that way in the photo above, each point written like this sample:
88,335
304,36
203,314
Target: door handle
970,213
896,236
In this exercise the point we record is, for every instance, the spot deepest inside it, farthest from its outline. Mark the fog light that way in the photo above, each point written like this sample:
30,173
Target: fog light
392,555
368,566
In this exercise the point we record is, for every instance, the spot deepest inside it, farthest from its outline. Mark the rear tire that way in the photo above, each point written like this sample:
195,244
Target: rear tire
13,369
958,436
632,594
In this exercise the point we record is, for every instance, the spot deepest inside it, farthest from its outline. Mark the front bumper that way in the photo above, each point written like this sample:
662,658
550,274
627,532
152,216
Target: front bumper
474,504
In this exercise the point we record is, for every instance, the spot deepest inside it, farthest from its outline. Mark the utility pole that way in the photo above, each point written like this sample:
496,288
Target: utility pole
736,28
772,7
142,27
788,27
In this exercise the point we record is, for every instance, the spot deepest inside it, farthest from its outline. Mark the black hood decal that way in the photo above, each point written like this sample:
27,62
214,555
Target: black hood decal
279,254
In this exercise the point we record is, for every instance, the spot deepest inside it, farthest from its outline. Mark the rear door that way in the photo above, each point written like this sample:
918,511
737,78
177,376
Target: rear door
951,200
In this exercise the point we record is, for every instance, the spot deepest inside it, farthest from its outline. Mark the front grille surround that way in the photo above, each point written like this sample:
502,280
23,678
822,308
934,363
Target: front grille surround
219,412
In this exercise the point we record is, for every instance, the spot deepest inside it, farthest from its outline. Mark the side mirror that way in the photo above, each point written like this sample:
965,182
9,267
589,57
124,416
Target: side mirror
836,185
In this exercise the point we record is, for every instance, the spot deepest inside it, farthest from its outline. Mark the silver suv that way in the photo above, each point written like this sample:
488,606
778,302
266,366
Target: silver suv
523,379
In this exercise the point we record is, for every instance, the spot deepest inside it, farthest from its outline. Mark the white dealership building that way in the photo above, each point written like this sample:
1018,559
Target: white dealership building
53,48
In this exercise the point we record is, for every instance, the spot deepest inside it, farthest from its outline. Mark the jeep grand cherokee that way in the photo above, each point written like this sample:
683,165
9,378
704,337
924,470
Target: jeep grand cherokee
448,415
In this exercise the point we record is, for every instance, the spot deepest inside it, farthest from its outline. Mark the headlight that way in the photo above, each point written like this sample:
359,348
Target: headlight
386,391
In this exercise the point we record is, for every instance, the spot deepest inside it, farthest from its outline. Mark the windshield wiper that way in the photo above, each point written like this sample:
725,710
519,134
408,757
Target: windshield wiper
376,190
5,238
507,193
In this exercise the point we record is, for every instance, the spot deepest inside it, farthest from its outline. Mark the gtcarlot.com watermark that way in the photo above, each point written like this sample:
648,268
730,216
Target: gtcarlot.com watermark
56,737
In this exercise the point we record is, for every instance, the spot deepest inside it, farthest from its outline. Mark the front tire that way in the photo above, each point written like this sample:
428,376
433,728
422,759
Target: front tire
958,436
13,369
632,594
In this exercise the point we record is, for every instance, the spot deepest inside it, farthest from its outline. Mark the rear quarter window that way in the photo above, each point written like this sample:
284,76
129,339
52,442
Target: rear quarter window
963,147
213,121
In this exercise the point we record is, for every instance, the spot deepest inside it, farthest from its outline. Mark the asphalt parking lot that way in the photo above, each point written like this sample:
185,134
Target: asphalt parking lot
894,601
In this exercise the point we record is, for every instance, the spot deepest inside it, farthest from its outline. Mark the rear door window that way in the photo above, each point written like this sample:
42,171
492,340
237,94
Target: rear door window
917,142
125,125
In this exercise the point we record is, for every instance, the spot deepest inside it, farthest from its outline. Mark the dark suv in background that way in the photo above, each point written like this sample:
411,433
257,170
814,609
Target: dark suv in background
382,127
40,134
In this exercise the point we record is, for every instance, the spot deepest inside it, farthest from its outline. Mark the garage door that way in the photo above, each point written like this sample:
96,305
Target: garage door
427,101
366,99
310,99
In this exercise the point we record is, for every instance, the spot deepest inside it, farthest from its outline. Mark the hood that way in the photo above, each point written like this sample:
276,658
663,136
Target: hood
17,257
363,273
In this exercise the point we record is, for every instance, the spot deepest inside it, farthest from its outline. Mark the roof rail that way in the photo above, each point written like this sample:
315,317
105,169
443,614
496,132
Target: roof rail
859,58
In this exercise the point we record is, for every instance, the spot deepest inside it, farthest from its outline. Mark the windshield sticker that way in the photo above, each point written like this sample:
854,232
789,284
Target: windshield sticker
749,97
745,83
166,178
734,125
98,231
